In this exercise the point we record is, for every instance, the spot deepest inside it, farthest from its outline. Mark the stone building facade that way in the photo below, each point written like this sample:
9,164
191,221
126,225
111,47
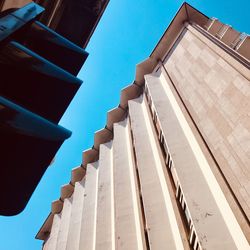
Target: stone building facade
171,168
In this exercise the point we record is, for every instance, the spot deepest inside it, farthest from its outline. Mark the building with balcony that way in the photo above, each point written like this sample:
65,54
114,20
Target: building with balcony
170,170
62,15
37,85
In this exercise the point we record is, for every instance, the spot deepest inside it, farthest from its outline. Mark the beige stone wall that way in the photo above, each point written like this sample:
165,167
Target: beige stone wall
202,201
217,96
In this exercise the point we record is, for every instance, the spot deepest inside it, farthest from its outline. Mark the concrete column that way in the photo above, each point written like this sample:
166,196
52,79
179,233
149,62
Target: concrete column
88,224
105,200
52,240
76,217
128,228
64,225
161,222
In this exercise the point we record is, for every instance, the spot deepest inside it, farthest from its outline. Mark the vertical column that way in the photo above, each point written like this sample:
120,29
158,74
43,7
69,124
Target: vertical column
88,224
64,225
210,219
159,214
105,200
128,228
76,216
52,240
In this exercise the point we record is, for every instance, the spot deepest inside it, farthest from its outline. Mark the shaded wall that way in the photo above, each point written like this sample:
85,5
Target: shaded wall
75,20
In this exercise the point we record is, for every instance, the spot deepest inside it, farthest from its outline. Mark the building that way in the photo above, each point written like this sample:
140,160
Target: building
170,170
37,85
62,15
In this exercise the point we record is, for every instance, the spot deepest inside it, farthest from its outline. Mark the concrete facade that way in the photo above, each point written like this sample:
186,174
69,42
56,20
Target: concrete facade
171,168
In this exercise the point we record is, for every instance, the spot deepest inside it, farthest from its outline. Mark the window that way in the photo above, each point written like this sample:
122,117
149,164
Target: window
178,193
170,164
167,159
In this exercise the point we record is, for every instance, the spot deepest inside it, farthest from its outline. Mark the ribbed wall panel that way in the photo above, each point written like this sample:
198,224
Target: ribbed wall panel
73,240
64,225
136,196
161,223
51,242
194,177
88,224
128,231
168,175
105,200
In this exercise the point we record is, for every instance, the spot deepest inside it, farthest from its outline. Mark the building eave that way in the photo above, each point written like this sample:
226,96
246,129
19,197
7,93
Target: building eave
186,13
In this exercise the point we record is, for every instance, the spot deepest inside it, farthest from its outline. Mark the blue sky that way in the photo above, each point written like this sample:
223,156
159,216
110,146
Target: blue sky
127,33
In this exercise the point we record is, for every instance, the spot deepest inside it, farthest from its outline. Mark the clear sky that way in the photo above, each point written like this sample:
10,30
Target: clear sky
126,34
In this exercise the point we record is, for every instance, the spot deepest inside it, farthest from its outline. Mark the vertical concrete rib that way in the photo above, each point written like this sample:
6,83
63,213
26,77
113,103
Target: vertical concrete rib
76,216
160,218
128,231
64,225
52,240
213,220
105,200
88,225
